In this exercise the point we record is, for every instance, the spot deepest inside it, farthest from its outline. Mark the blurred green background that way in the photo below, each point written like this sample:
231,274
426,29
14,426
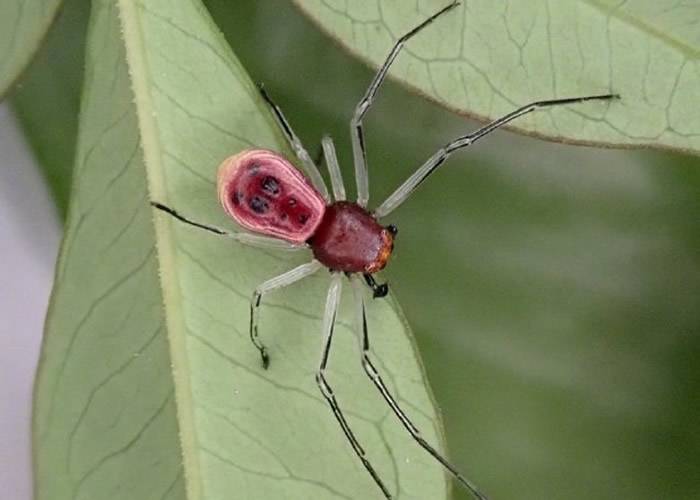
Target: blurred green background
553,289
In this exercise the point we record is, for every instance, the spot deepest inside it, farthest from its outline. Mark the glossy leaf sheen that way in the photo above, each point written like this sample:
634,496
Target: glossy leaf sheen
148,385
488,58
23,24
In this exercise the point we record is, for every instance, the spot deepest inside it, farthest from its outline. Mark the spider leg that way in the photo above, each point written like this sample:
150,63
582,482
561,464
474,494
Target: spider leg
333,168
376,379
296,145
332,302
275,283
318,156
410,185
254,240
378,291
356,131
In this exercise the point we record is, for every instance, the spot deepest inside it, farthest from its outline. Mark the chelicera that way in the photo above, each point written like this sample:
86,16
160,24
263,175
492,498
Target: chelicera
265,194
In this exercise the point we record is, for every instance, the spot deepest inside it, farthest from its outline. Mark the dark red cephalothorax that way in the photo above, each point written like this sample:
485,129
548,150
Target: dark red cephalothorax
266,194
349,239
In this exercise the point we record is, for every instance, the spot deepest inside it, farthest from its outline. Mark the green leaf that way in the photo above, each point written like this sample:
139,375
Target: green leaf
552,289
23,25
488,58
47,98
148,386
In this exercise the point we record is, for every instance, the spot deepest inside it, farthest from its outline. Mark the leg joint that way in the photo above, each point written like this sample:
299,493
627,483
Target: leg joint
323,385
360,111
369,368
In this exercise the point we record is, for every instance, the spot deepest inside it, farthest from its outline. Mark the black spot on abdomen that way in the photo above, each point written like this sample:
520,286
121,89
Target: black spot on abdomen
271,185
259,205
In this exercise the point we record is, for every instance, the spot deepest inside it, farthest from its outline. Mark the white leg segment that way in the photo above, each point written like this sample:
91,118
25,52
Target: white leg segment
296,145
254,240
333,168
356,132
329,317
258,241
275,283
373,375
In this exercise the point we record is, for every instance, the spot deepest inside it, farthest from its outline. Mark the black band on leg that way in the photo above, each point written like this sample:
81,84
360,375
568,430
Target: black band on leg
376,379
378,290
254,338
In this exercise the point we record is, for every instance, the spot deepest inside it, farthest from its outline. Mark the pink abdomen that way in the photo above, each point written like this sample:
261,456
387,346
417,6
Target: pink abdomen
265,193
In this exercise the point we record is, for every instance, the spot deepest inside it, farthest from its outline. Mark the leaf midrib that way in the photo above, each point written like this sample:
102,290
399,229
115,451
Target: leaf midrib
137,64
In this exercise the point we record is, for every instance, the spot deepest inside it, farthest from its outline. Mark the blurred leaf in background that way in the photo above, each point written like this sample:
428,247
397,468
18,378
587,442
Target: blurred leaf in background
489,58
553,289
47,98
23,26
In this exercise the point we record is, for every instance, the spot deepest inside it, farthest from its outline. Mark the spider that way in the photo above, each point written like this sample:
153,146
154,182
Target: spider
266,194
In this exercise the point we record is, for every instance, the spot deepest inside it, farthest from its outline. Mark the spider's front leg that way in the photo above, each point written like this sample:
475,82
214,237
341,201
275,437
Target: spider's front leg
405,190
359,152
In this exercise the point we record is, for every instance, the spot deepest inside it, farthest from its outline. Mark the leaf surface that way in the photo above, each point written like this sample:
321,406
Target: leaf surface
488,58
148,385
